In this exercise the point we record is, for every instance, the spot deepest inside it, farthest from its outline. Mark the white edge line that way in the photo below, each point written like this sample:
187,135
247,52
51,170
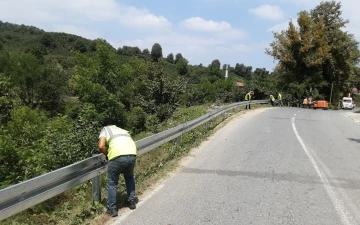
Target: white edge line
146,197
339,206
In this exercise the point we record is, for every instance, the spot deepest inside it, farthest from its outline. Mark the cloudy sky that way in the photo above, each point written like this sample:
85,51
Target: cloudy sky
202,30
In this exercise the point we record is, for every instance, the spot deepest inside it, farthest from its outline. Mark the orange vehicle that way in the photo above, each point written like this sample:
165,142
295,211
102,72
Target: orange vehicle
321,104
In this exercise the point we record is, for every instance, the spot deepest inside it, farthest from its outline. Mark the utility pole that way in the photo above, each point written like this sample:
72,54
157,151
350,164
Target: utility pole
332,85
227,71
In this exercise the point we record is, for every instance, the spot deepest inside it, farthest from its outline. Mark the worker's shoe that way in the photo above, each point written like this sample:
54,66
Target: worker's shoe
112,212
132,204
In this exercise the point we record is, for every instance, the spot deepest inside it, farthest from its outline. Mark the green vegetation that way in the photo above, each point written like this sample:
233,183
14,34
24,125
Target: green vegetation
57,91
75,207
317,54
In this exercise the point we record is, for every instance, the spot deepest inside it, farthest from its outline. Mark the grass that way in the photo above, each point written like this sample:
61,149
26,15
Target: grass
75,206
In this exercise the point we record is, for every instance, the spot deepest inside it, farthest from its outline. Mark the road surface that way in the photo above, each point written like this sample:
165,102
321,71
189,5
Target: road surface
270,166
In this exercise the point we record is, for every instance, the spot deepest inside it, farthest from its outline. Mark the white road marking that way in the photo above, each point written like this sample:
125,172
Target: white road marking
147,197
338,204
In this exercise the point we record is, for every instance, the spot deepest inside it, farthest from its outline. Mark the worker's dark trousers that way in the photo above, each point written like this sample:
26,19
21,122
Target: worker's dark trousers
248,106
121,165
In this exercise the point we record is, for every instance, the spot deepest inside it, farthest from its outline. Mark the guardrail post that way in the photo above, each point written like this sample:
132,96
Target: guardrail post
178,140
96,188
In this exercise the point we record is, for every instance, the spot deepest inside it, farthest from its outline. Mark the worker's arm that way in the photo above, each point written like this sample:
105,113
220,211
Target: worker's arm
102,145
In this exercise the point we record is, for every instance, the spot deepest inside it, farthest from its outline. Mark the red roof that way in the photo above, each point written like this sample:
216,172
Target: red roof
239,84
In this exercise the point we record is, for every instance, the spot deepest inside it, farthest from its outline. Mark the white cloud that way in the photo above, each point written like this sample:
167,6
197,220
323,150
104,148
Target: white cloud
200,24
282,26
70,11
220,29
132,16
271,12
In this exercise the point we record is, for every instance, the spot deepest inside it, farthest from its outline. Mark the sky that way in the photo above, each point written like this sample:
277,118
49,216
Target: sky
233,31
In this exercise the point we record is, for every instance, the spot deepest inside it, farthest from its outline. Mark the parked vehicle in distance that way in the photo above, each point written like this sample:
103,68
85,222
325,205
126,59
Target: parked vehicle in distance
347,103
321,104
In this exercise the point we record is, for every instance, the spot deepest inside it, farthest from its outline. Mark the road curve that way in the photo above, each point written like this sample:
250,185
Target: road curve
274,166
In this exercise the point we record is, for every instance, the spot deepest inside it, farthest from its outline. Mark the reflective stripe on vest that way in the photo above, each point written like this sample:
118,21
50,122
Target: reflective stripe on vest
112,136
120,143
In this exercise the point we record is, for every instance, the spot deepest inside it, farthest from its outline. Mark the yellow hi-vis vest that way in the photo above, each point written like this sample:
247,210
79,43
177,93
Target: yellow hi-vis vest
272,98
279,97
248,97
119,142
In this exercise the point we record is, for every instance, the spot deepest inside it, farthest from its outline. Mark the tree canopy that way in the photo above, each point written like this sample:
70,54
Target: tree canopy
316,54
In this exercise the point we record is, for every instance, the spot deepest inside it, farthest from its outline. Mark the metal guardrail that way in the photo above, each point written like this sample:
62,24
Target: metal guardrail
24,195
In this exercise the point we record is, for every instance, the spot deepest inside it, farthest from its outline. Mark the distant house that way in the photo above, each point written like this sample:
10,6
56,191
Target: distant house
239,84
355,91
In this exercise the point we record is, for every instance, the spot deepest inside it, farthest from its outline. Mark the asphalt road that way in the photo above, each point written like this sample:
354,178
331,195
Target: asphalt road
273,166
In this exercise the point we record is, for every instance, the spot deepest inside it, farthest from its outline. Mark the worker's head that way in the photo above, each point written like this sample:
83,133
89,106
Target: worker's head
251,92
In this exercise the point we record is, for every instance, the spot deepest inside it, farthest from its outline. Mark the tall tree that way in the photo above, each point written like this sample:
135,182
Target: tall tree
146,51
182,66
170,58
156,52
215,68
178,57
318,53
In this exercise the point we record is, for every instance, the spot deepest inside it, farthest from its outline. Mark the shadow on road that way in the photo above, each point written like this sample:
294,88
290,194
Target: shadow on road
290,177
354,139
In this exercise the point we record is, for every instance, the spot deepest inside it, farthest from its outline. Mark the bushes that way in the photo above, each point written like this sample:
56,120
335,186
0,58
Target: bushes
137,120
21,137
9,160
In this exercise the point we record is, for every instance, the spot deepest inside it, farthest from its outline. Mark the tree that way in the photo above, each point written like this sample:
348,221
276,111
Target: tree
178,57
128,50
215,68
162,90
318,53
39,53
170,58
26,73
261,72
6,99
182,66
156,52
98,82
47,40
92,46
80,46
146,51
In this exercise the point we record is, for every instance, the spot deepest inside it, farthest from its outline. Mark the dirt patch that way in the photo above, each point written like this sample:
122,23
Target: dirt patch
354,116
